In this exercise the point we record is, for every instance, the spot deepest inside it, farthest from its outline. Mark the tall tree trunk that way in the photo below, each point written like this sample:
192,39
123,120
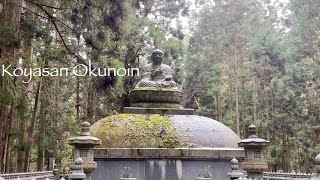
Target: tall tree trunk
32,124
8,144
267,115
218,108
78,98
10,18
90,101
42,127
22,141
21,144
236,90
254,99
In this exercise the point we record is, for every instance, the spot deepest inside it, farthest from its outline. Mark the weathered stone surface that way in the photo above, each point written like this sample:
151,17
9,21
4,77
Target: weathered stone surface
253,141
180,153
84,138
162,111
254,162
84,144
193,130
156,74
155,95
77,170
89,167
316,175
235,170
162,169
254,166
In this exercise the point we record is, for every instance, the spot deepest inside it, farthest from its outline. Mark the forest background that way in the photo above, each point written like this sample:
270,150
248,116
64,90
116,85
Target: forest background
239,62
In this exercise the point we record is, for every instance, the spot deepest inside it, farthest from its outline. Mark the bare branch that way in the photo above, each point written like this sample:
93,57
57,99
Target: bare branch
37,3
28,10
79,58
52,17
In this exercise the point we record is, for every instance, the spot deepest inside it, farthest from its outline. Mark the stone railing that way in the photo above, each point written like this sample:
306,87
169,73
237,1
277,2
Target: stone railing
285,176
44,175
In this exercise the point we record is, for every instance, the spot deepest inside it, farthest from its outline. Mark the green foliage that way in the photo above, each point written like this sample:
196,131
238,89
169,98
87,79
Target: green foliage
276,68
9,38
9,94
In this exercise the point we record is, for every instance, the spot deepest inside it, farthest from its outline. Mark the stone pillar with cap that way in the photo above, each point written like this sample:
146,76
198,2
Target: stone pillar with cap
316,175
254,162
235,173
77,170
84,144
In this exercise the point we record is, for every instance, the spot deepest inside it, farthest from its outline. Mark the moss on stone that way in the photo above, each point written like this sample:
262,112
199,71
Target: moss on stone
138,131
157,105
154,89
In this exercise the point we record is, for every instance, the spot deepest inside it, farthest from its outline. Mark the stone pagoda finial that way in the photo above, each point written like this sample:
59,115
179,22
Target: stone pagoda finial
316,175
234,164
77,170
252,131
85,128
235,170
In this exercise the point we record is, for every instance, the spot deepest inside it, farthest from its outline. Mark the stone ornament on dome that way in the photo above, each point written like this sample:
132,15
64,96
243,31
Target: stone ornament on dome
156,74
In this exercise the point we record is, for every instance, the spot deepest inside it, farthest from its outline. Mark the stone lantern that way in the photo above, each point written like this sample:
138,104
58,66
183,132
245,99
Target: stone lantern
84,144
254,162
316,175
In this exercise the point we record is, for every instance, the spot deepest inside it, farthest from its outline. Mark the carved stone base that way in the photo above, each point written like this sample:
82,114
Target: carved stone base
157,105
89,167
255,166
156,98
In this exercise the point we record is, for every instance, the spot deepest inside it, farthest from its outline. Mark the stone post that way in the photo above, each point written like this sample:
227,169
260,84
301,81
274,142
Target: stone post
254,162
77,170
84,144
52,162
55,173
235,170
316,175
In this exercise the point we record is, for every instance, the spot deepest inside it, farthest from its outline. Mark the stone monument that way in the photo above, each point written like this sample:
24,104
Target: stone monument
254,162
84,144
156,89
156,74
159,139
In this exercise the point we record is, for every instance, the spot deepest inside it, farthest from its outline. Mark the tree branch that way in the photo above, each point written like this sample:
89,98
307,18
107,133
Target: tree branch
79,58
37,3
52,17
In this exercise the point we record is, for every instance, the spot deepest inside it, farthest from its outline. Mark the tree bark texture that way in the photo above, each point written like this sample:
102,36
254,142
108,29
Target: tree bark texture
10,18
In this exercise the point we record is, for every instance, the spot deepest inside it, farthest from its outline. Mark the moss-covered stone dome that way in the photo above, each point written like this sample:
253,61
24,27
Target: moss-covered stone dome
163,131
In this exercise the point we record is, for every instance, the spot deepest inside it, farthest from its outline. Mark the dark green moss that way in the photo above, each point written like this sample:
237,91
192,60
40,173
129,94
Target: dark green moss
137,130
